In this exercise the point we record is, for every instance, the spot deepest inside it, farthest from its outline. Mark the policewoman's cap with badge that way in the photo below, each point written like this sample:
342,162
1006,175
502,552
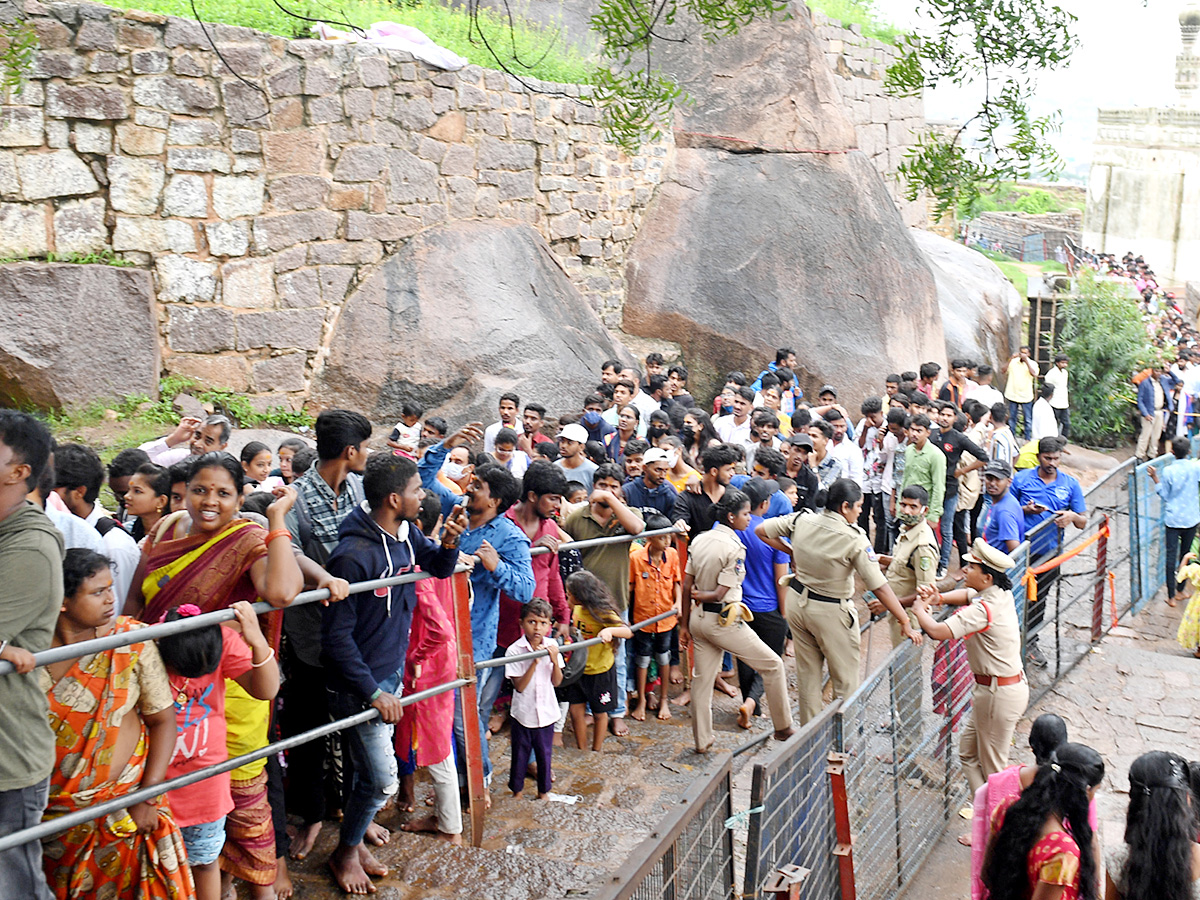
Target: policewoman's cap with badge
986,554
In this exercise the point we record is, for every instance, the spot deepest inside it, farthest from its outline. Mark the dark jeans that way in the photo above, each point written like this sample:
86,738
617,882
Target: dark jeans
961,539
1179,542
371,747
21,873
1063,418
975,518
872,507
1026,409
772,627
312,790
539,742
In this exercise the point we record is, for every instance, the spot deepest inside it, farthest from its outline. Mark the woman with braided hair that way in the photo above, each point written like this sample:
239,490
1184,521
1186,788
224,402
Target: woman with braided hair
1160,859
1042,844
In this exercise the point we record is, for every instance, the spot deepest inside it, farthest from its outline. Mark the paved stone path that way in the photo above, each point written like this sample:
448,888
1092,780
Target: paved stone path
1136,692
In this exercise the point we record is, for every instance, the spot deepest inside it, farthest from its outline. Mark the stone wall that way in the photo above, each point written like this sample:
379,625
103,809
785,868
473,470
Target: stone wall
260,197
886,126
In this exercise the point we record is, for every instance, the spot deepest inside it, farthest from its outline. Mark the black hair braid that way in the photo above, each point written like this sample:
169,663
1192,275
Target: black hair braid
1159,829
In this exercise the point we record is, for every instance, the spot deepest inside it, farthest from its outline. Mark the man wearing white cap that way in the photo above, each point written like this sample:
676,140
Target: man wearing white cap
572,461
989,623
651,490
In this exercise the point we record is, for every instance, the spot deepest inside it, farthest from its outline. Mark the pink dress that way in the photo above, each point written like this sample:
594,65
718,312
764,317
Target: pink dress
1001,788
427,726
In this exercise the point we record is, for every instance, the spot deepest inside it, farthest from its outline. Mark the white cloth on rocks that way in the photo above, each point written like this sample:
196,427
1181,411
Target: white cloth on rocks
395,36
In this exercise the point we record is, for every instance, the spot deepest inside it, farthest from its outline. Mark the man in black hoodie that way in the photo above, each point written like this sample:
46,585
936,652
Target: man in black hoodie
364,639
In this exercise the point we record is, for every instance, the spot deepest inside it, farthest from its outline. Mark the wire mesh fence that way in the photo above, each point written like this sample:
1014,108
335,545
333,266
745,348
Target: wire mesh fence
904,779
690,854
795,824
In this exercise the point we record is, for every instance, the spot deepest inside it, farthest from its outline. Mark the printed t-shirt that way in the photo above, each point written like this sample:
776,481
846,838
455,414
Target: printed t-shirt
200,735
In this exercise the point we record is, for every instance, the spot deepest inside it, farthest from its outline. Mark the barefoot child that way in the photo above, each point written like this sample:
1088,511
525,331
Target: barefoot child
534,705
197,663
655,584
594,615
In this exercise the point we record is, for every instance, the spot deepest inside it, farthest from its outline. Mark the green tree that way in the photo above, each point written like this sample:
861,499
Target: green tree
1105,340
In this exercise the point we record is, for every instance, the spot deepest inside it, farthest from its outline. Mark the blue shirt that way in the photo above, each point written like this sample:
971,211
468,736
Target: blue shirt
428,467
1003,521
758,588
1179,487
1063,492
778,505
514,576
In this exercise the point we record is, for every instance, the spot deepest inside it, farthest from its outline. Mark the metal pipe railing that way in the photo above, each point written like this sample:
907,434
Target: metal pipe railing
82,648
179,626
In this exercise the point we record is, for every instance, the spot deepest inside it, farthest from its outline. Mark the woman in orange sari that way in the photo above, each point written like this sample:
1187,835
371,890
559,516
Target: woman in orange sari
114,723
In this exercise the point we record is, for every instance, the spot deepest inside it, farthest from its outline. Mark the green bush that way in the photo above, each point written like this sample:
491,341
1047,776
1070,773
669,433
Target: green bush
1103,336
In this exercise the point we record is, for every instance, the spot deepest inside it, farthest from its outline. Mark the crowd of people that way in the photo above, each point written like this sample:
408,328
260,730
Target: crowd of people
778,503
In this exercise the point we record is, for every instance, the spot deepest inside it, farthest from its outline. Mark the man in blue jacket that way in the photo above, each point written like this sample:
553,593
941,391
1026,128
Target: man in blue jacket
1153,402
364,639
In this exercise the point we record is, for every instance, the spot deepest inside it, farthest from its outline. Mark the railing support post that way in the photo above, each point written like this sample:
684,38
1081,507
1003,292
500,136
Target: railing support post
476,791
1101,583
844,851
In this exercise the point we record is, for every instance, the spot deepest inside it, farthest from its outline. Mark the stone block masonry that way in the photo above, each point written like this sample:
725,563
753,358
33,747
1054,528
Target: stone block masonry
886,126
259,185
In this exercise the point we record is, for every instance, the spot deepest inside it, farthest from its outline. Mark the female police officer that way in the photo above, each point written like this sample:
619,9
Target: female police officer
989,623
827,550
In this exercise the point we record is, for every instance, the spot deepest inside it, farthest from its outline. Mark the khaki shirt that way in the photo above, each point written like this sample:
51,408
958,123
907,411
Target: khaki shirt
914,560
989,623
717,558
827,551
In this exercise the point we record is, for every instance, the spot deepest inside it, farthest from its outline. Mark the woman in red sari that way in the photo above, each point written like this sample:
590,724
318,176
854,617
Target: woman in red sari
206,556
1042,845
114,724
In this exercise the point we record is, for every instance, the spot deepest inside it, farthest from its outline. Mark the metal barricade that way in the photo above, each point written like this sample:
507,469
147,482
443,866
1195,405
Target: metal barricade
904,779
689,856
795,824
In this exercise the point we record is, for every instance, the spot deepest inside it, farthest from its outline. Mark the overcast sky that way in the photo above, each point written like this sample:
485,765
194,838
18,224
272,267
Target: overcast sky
1126,57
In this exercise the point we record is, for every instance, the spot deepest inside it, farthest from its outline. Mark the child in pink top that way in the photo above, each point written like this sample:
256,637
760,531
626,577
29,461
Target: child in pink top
197,663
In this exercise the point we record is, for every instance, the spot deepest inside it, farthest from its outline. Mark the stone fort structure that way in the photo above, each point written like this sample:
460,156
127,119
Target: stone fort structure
1144,186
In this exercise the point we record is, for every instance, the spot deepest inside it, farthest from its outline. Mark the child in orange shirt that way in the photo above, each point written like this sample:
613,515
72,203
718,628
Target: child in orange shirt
655,580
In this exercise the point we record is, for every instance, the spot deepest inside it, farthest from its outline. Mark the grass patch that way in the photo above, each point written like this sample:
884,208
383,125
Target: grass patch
861,13
96,258
1018,272
528,49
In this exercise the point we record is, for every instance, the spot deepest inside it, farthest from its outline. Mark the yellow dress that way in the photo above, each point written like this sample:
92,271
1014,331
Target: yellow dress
1188,635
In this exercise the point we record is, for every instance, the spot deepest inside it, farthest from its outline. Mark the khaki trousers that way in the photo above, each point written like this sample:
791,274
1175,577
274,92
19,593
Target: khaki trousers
908,684
710,640
987,736
823,633
1147,442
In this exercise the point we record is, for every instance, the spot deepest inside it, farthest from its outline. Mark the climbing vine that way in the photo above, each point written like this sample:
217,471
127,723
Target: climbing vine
18,40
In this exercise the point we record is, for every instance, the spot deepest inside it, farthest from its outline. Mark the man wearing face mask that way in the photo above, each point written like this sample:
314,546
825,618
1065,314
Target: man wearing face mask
913,562
456,470
598,428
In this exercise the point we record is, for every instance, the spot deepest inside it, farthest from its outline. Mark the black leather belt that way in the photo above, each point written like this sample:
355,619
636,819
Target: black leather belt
812,595
712,607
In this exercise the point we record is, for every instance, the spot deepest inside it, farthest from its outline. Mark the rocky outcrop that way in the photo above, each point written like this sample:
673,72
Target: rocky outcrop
460,314
792,240
741,254
981,310
70,334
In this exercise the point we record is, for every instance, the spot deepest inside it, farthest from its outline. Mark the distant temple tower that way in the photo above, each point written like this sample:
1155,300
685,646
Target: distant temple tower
1144,186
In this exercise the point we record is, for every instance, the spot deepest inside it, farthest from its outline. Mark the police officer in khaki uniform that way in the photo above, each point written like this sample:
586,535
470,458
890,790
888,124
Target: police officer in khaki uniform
989,623
712,591
913,562
827,549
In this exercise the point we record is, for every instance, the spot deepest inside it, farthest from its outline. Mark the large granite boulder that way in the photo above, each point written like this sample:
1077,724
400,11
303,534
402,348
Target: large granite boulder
71,334
981,310
460,314
744,253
